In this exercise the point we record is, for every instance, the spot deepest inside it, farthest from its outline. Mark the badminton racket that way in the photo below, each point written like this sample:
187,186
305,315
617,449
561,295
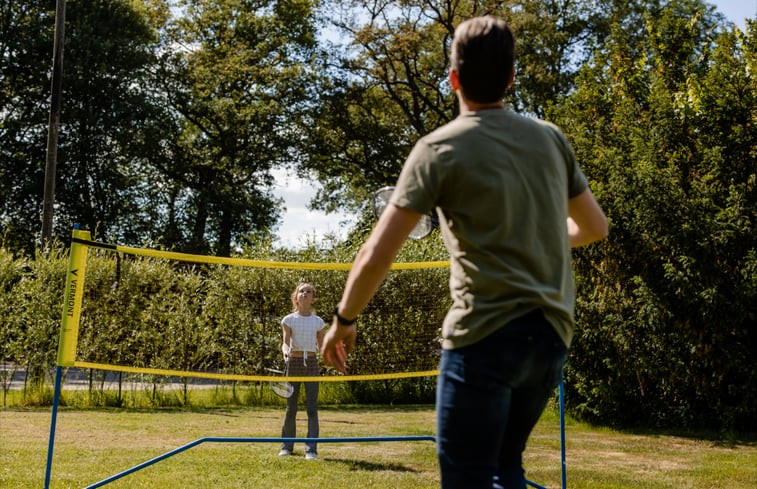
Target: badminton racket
281,389
421,230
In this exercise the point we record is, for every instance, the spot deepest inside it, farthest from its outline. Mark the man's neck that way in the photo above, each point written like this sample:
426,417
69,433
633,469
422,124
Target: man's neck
467,106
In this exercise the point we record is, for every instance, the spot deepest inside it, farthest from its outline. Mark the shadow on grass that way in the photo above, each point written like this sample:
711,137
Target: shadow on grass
723,439
375,407
356,465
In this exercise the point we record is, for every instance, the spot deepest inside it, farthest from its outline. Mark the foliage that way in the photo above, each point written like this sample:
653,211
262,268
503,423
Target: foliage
33,294
147,312
10,334
25,50
242,69
388,86
107,50
171,120
175,113
667,305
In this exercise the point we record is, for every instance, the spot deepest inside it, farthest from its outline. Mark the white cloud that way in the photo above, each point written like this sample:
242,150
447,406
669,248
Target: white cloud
301,224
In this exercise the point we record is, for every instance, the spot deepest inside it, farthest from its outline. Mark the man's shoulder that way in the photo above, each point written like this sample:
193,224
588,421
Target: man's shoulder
530,121
543,125
464,124
457,127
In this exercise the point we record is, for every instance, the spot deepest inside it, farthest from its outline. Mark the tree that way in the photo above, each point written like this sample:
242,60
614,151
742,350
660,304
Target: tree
107,50
665,129
173,115
234,74
11,334
25,54
388,86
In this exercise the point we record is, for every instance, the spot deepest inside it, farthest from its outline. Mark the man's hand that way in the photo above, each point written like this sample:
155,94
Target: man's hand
337,344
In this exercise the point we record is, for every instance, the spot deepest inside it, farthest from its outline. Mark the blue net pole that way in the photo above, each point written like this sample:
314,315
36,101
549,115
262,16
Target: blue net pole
563,467
51,439
534,484
212,439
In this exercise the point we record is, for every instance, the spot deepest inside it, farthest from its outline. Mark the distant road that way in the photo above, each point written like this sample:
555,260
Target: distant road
78,379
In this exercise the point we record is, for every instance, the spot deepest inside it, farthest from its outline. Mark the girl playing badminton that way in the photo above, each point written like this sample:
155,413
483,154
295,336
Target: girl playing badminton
302,333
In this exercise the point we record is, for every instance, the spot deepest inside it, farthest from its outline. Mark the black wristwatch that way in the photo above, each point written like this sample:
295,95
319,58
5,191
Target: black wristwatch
342,320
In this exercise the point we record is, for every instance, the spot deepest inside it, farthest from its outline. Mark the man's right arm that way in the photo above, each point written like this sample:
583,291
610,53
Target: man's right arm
586,220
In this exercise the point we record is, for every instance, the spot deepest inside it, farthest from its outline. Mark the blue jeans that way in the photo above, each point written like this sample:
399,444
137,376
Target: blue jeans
296,368
489,397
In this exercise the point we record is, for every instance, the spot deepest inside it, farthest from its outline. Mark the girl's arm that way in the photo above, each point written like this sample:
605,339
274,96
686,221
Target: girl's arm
319,338
286,334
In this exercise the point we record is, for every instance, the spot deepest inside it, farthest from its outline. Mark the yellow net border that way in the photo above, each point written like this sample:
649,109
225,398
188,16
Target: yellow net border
74,290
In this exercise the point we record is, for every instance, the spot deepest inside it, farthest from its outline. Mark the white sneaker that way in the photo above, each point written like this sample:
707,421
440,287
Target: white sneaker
311,456
284,452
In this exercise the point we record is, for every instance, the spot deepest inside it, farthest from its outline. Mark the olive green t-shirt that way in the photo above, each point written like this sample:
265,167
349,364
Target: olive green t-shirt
500,183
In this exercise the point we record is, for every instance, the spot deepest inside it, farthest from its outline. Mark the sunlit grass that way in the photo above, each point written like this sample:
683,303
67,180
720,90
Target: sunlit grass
94,444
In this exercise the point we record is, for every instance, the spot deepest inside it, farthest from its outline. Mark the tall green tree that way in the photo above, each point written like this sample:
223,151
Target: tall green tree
108,48
386,84
665,128
109,51
233,75
25,57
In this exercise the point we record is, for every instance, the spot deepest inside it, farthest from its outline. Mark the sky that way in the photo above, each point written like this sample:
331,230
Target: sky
301,225
737,11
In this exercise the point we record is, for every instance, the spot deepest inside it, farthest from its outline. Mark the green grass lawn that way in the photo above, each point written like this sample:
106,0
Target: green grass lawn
94,444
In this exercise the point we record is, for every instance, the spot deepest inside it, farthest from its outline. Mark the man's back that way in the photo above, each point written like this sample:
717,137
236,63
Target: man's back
501,183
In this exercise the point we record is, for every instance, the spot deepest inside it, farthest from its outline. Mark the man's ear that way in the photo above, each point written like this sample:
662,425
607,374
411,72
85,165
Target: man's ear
454,80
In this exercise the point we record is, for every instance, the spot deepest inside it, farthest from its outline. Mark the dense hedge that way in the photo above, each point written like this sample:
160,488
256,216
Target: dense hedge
633,363
667,305
154,313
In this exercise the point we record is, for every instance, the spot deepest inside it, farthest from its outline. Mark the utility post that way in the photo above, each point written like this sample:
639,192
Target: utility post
48,201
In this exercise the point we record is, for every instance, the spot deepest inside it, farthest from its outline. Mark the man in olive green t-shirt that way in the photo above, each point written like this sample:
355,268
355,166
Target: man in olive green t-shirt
511,201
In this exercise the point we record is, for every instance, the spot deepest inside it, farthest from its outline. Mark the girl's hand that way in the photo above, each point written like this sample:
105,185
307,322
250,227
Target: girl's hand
285,349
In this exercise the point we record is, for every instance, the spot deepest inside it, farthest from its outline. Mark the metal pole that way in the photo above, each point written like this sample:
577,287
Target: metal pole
563,468
216,439
51,440
54,121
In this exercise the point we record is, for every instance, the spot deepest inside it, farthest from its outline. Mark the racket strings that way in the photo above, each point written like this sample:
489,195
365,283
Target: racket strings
282,388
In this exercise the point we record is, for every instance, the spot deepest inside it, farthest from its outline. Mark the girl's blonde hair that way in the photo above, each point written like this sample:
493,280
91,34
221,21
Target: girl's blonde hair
296,291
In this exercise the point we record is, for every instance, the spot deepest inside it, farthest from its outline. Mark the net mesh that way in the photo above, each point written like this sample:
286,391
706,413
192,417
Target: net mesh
198,318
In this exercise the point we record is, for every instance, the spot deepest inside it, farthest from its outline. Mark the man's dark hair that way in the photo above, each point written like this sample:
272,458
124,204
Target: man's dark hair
483,53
